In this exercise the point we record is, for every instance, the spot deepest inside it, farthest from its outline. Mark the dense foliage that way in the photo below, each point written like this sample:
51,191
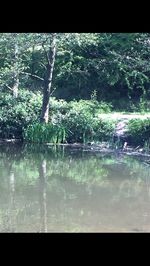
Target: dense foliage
114,66
139,131
76,121
16,114
67,79
78,118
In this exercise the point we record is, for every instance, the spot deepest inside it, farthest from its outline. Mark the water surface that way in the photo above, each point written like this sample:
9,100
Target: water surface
66,189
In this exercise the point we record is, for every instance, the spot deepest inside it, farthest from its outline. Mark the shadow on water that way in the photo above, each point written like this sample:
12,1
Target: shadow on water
65,189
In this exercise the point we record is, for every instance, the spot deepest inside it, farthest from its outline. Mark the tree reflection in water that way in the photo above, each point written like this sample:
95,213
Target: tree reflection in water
42,195
12,208
49,189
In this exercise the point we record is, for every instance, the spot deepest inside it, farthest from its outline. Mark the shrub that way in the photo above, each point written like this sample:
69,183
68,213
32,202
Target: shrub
91,106
77,118
144,105
139,130
78,126
16,114
58,106
81,127
73,128
104,130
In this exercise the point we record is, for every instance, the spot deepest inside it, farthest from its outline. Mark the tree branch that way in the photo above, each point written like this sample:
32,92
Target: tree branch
32,75
52,91
43,65
46,54
9,87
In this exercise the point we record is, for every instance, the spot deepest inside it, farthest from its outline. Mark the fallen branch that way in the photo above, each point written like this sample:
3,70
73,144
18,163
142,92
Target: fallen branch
137,147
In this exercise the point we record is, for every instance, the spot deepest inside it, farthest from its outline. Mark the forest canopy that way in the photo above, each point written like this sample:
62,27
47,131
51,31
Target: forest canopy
110,65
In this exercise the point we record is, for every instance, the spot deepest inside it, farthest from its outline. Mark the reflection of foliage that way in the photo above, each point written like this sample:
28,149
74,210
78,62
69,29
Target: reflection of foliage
80,186
66,163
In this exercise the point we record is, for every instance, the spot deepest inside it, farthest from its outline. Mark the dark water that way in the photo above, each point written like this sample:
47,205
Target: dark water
64,189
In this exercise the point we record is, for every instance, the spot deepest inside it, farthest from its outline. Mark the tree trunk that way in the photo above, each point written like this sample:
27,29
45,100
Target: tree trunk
48,81
16,73
15,86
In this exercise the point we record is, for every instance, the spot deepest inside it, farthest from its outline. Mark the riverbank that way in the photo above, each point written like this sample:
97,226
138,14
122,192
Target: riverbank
103,147
127,133
10,141
69,122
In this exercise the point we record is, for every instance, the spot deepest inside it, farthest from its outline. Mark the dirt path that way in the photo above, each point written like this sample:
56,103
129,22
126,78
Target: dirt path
122,121
118,116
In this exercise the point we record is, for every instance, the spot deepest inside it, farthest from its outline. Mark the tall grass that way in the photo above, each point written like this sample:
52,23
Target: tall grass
44,133
70,131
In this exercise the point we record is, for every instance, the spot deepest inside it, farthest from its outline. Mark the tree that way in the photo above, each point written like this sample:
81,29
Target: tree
112,64
19,52
9,66
14,47
48,78
45,44
16,68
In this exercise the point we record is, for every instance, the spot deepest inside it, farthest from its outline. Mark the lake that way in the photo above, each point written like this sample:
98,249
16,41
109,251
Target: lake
45,188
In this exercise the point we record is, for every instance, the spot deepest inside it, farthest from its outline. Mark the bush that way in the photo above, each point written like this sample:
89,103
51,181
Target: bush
19,118
144,105
16,114
78,126
104,130
79,118
58,106
86,128
139,131
73,128
91,106
77,122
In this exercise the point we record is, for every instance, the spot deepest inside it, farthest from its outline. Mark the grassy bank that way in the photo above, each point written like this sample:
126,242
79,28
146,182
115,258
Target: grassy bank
80,121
